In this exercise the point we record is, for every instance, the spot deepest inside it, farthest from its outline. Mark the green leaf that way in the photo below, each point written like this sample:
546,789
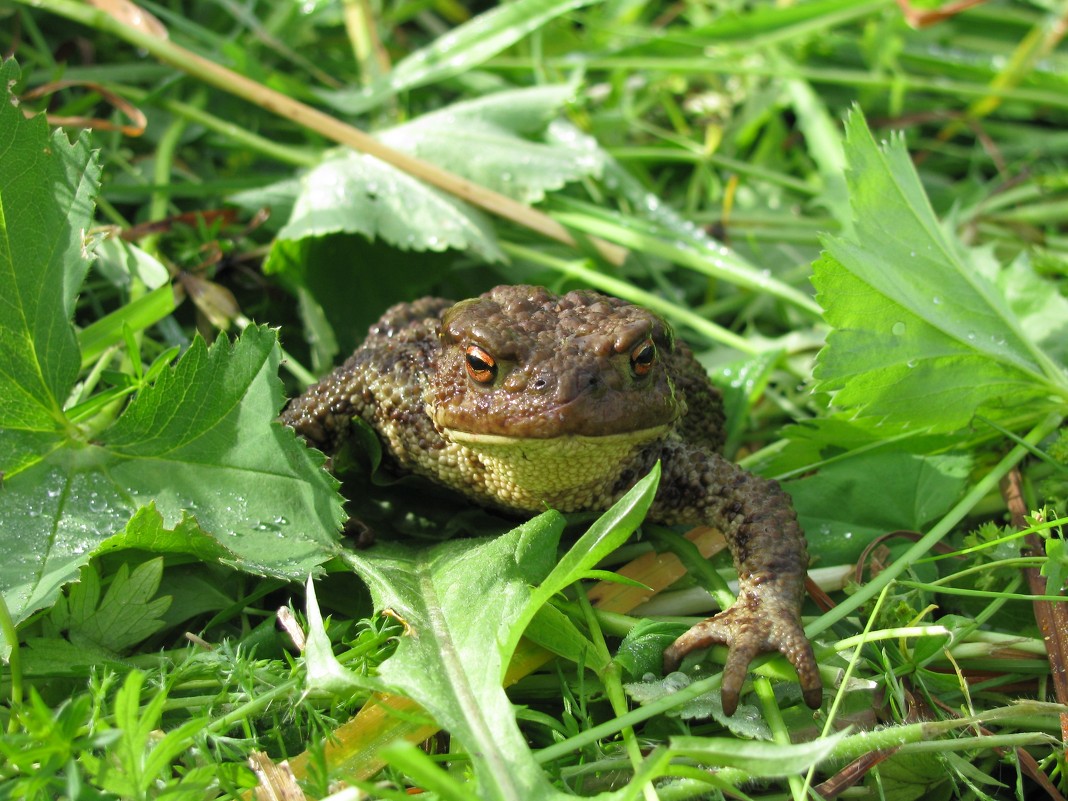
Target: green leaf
853,501
55,656
923,335
201,446
745,722
1057,561
46,190
553,630
1043,314
460,600
357,194
907,777
127,614
146,531
494,127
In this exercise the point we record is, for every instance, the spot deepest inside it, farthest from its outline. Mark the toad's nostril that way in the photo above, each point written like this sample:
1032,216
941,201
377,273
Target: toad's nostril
540,383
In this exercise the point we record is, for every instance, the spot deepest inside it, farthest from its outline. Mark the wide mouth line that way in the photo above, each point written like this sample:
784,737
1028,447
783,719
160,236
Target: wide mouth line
474,437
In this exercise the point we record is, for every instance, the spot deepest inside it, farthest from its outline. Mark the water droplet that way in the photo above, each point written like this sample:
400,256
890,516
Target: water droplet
937,300
898,329
911,363
676,681
971,336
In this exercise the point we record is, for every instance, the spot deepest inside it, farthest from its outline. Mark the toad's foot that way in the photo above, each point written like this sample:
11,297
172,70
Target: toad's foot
748,629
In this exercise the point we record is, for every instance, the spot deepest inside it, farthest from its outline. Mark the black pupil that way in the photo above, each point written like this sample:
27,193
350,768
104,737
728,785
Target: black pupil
477,363
645,355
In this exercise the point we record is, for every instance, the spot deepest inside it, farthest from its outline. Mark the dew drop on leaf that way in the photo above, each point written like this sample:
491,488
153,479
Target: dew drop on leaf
898,329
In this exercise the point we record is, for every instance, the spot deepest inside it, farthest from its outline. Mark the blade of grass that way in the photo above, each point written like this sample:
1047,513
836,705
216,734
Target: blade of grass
139,314
1038,43
707,258
733,64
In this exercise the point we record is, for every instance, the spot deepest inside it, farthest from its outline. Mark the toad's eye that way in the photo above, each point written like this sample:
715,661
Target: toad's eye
643,357
480,365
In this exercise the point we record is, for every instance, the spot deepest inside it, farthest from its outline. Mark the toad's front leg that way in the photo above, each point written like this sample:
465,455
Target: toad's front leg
768,546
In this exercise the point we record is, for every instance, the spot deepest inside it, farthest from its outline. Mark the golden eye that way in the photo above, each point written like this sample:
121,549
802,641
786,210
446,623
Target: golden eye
480,365
643,357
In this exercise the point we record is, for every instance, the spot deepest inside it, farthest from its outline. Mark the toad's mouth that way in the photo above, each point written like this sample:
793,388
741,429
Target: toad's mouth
571,421
476,439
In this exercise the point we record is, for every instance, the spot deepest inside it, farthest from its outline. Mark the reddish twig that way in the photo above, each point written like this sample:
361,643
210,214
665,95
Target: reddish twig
1052,618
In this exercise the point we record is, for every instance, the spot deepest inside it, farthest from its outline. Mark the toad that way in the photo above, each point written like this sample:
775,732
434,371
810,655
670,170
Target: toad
521,399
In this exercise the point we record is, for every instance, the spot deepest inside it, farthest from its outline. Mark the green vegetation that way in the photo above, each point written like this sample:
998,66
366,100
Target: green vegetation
714,162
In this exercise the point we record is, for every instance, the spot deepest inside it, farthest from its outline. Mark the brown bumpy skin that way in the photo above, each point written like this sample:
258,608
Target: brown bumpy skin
521,399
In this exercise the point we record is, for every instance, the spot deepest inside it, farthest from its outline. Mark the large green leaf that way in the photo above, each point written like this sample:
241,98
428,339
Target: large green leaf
459,600
199,444
46,190
923,334
465,604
